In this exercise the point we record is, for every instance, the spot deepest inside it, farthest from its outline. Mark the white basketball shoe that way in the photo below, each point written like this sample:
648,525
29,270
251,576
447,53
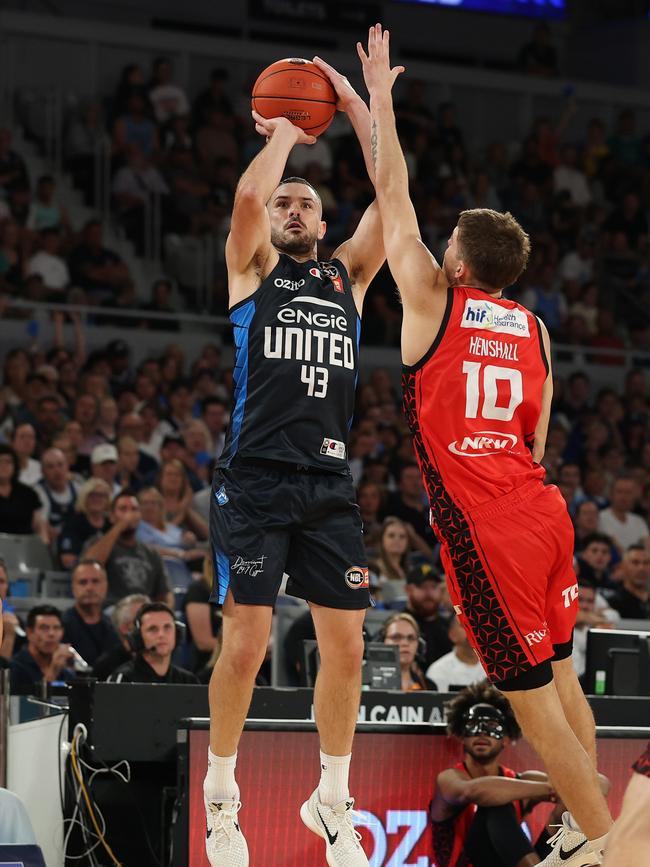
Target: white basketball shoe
334,825
571,848
225,845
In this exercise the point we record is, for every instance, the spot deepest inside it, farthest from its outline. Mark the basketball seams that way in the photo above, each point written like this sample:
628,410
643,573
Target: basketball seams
296,99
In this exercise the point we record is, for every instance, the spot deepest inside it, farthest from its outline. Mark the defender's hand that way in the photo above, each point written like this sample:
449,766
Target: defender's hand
346,95
377,72
269,126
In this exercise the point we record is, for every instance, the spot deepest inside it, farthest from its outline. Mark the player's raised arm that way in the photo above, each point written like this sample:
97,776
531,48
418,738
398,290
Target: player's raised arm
363,254
415,270
249,241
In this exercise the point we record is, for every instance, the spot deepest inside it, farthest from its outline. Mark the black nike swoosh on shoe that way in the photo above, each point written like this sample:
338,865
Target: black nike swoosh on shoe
565,855
207,836
331,838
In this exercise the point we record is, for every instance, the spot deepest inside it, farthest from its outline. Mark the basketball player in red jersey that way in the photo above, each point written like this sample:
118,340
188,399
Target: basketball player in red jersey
477,393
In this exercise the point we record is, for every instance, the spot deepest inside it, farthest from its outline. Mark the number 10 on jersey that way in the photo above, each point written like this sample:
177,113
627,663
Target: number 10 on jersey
316,380
488,376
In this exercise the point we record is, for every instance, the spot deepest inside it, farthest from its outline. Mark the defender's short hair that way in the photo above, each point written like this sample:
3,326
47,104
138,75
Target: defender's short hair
493,245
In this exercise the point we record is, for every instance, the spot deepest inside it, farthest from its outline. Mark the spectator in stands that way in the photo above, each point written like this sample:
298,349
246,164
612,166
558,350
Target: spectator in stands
89,518
596,554
45,212
23,442
134,129
369,499
619,520
459,667
87,629
57,493
84,139
97,269
45,657
107,419
632,599
131,567
216,141
20,508
12,256
408,504
586,519
203,619
213,98
392,563
568,176
198,458
128,461
132,187
50,265
131,79
171,542
215,416
9,622
424,591
177,493
132,426
13,171
569,482
402,630
48,419
155,640
161,302
103,465
590,616
180,405
123,618
169,100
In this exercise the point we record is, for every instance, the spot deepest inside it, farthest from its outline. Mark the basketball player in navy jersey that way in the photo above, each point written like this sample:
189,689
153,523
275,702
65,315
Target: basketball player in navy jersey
477,392
283,498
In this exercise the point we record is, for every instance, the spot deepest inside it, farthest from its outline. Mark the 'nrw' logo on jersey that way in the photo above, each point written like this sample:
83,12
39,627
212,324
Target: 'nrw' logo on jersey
483,443
487,316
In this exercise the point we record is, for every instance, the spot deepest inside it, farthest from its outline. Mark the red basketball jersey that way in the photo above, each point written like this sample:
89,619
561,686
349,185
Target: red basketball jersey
449,837
474,400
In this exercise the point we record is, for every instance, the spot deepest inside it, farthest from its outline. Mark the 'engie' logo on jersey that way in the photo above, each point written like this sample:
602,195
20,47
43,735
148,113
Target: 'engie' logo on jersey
487,316
483,443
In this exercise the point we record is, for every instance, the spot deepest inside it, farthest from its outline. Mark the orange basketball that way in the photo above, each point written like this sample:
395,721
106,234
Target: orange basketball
296,89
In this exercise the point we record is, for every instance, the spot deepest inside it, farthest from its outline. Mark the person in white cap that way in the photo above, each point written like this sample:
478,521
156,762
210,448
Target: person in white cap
103,465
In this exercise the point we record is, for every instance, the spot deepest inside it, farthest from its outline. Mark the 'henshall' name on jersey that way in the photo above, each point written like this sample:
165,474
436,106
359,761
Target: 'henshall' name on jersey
493,348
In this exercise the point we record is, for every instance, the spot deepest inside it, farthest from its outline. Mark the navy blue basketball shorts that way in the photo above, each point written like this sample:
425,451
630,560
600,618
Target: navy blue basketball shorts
268,519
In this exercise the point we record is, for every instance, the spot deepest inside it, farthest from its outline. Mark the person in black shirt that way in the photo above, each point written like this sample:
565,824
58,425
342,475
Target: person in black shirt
46,657
20,507
154,639
203,619
424,585
408,504
89,631
632,600
90,518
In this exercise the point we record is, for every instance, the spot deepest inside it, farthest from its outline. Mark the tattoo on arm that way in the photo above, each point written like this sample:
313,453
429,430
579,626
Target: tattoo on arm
373,143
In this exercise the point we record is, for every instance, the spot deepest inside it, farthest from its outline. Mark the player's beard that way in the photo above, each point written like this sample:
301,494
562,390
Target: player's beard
485,758
294,245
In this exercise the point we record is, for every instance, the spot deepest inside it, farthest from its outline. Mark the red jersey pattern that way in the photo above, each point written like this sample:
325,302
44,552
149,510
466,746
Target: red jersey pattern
449,836
472,404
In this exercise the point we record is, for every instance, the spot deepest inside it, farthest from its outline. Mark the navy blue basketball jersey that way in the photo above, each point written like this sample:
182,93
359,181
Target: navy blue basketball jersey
296,363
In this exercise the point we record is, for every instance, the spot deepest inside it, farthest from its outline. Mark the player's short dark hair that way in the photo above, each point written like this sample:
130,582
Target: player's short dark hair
42,611
493,245
480,693
295,180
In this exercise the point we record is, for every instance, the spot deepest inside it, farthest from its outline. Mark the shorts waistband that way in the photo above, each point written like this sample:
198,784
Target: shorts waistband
507,502
283,466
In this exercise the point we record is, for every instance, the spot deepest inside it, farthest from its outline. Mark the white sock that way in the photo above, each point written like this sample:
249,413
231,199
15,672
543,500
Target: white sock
334,774
219,783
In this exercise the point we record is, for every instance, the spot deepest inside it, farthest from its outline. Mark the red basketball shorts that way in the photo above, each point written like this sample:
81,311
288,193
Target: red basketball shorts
512,583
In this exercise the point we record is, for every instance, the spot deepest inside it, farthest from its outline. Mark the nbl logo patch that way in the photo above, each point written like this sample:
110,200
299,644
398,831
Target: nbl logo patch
357,578
332,272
